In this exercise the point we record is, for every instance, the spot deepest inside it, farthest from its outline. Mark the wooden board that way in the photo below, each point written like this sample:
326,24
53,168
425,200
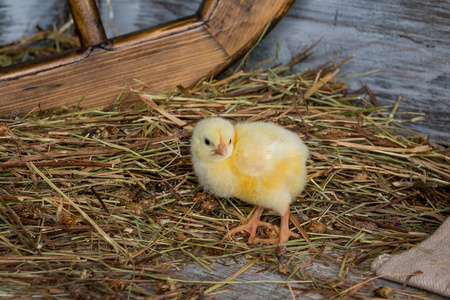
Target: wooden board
180,53
263,281
408,42
100,75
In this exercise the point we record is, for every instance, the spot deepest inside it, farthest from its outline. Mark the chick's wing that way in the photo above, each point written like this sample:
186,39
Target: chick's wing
258,148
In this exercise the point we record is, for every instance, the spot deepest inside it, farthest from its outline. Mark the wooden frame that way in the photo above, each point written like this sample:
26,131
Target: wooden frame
179,53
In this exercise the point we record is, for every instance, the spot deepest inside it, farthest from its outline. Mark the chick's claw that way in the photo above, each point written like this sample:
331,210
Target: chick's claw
250,225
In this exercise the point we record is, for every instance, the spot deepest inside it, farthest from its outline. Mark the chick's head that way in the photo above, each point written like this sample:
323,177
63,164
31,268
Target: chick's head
212,139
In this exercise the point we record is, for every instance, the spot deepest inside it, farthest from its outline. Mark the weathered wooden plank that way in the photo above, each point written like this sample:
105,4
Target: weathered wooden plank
177,53
263,281
103,74
407,41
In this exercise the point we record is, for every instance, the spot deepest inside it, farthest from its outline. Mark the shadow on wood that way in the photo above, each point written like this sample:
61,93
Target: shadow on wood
178,53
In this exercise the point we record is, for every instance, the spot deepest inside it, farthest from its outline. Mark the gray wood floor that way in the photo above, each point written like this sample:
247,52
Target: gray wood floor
407,41
263,281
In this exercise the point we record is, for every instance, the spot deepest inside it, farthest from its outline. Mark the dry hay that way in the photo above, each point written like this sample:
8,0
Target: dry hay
99,203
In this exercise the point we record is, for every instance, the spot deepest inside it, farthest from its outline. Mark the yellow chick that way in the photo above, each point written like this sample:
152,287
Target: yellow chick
259,163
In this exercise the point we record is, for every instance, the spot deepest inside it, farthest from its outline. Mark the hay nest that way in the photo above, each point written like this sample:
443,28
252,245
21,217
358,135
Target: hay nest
98,203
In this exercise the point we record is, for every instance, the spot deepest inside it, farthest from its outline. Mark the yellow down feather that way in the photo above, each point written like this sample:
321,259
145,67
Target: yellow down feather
260,163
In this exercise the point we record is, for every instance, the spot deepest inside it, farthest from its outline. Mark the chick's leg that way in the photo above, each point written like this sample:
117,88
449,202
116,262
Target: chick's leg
250,225
284,234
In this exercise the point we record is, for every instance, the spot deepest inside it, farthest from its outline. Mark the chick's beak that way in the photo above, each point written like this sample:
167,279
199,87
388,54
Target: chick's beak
221,149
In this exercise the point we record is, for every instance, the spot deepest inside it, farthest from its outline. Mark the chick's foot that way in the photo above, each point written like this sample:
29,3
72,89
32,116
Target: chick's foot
284,233
250,225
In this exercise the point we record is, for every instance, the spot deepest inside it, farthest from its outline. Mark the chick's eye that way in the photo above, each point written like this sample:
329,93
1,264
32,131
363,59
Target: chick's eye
230,141
207,142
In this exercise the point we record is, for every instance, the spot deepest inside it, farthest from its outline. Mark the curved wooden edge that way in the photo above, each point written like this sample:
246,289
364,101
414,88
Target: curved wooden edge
237,25
178,53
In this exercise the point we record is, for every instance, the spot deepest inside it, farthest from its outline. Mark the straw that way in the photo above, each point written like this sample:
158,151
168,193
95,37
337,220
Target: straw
105,202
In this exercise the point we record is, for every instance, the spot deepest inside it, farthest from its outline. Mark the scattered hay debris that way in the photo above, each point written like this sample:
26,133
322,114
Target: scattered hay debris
103,202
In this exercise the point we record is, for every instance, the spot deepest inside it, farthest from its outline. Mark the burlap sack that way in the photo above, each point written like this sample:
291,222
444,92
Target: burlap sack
432,257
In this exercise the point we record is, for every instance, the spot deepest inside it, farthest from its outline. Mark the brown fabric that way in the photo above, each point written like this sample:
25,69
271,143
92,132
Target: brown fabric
432,257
